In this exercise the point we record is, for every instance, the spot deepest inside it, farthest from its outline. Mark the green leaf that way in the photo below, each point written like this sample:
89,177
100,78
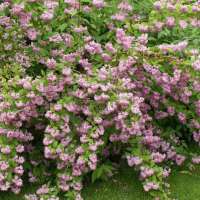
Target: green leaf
102,172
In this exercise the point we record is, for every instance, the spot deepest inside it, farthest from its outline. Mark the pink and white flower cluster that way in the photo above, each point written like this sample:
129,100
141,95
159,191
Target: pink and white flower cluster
81,82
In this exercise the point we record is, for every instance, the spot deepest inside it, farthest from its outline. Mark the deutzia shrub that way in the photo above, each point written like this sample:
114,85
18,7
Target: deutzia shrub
82,81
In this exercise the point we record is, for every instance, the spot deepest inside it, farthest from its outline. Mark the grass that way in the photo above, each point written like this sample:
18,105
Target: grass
125,186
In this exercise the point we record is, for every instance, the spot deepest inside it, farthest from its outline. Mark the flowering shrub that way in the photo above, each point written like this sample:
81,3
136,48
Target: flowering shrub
84,80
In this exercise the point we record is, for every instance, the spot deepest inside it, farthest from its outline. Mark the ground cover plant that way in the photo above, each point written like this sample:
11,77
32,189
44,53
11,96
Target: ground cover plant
87,83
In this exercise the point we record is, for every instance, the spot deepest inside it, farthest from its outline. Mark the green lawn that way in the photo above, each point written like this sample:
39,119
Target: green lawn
125,186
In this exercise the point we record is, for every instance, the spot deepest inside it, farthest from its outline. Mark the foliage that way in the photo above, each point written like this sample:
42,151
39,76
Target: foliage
85,81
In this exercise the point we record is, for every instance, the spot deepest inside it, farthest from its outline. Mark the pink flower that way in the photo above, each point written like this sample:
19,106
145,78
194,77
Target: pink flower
78,197
125,6
73,3
98,3
196,160
196,65
119,16
126,41
47,16
171,110
67,38
180,159
66,71
166,172
93,48
150,186
17,9
183,24
133,161
43,190
182,117
106,57
5,150
19,170
159,26
4,165
170,22
146,172
93,158
110,48
158,157
20,148
158,5
184,8
51,63
32,34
